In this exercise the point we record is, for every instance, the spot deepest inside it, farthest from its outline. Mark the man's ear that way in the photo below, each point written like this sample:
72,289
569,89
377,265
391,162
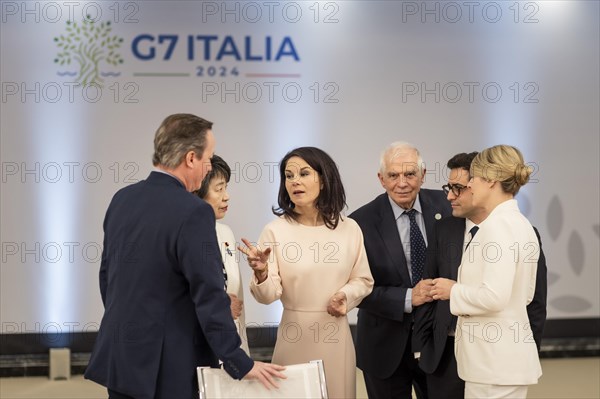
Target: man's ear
190,157
423,175
380,177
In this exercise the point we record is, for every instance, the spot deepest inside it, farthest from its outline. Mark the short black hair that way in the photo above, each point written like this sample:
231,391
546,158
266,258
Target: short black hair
332,198
462,161
219,169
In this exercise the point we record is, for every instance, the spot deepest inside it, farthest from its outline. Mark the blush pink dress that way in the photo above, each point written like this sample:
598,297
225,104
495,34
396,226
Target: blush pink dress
308,264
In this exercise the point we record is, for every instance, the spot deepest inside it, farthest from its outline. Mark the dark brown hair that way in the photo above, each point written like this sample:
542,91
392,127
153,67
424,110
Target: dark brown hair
462,161
332,198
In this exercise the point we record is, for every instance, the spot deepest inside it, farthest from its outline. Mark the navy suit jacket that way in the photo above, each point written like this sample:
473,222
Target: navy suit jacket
433,320
383,328
161,282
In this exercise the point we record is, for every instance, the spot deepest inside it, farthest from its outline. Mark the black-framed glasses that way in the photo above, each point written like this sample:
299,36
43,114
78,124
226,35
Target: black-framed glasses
455,188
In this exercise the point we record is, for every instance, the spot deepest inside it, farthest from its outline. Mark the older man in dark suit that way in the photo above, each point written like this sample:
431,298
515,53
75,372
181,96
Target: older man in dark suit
434,324
161,279
396,227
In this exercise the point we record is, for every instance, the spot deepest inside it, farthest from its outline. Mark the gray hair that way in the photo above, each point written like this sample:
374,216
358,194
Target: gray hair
177,135
396,149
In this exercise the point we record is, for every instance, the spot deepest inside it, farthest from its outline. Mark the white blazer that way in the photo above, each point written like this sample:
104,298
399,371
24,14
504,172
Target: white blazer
496,281
231,259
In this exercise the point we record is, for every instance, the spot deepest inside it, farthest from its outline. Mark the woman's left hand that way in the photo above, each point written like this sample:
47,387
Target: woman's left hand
441,288
337,304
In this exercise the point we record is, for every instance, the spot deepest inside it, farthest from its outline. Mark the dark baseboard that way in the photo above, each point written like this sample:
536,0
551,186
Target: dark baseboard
27,354
39,343
572,328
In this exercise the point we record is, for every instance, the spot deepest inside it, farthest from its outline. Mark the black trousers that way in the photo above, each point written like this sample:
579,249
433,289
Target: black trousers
116,395
400,384
445,383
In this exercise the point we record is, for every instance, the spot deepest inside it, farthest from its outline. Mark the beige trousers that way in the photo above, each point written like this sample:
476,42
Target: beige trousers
474,390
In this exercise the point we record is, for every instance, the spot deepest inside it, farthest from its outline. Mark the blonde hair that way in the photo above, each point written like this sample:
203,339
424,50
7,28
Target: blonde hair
504,164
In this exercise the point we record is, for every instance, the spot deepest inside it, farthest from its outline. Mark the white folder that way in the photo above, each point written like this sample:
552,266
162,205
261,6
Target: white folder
306,380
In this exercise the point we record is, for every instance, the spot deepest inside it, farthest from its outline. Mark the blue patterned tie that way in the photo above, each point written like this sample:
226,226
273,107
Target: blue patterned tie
417,248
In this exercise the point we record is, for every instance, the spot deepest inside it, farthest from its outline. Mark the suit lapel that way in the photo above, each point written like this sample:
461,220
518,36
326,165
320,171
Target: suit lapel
429,212
456,240
388,230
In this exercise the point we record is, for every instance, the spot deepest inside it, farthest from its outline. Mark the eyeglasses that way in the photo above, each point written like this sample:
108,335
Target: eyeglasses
455,188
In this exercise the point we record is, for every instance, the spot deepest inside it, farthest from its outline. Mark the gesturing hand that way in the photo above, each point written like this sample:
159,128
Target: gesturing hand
257,259
337,304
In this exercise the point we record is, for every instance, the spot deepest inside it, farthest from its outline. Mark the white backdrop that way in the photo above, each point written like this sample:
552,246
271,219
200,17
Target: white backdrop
348,77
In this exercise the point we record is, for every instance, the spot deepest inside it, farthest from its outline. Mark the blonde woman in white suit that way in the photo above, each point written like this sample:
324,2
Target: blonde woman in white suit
495,351
214,192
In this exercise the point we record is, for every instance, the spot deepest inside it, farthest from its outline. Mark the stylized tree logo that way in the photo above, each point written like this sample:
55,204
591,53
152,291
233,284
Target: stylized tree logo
88,44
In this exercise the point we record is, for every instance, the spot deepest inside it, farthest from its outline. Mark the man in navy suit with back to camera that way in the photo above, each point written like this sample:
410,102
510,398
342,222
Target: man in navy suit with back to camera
435,326
161,279
396,226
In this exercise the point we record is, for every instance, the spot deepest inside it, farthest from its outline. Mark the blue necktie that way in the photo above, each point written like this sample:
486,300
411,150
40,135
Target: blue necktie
417,248
473,231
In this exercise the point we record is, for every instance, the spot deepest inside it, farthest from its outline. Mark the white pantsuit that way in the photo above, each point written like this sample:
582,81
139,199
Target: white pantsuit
494,344
228,248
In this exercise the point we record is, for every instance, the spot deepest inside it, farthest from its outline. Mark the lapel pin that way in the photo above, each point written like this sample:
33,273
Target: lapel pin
438,216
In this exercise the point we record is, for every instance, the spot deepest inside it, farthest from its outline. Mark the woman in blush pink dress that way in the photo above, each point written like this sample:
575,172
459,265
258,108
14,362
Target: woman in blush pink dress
314,261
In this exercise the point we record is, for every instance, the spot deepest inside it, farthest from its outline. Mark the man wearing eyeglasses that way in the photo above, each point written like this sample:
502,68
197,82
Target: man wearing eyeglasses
435,326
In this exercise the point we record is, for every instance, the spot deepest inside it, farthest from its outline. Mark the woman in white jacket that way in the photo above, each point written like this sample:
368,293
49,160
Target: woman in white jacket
495,351
214,192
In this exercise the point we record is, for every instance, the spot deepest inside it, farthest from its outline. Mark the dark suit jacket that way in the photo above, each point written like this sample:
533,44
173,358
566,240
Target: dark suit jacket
161,282
433,320
383,328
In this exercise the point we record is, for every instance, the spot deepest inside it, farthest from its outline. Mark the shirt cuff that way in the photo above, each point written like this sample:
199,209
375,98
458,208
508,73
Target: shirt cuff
408,301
